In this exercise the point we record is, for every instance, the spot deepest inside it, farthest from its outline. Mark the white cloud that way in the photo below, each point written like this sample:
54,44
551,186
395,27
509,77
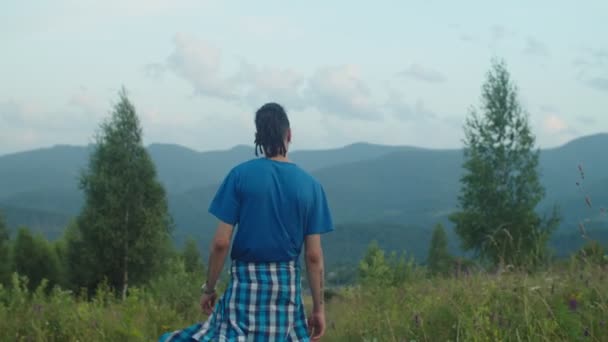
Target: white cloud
27,126
422,73
336,90
264,84
340,91
199,63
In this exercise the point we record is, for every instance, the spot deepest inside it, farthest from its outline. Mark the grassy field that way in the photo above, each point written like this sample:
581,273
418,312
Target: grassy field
570,304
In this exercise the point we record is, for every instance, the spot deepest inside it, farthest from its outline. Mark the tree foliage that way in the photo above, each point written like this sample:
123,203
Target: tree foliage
375,269
439,260
5,261
124,228
501,188
35,258
192,258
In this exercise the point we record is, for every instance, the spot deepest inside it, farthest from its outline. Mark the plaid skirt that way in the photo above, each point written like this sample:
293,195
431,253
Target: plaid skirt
263,302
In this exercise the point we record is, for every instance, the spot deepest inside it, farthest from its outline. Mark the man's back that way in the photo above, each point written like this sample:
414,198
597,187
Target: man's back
275,204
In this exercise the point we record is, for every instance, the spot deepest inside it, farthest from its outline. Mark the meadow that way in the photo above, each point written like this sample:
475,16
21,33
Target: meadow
569,302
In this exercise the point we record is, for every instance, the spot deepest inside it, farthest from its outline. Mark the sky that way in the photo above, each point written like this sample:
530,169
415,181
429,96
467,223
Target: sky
383,72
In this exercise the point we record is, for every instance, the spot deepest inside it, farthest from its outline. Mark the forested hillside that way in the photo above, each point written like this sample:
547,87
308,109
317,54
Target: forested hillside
375,191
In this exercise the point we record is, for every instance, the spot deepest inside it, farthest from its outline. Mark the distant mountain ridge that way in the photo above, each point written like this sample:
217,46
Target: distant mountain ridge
365,183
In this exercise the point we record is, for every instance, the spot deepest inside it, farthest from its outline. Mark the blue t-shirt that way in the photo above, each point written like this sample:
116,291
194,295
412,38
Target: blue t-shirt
274,206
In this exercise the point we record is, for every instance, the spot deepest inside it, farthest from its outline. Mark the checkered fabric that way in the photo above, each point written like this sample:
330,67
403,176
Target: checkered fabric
263,302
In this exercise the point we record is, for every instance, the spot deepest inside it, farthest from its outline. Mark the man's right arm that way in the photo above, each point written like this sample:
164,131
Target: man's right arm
314,268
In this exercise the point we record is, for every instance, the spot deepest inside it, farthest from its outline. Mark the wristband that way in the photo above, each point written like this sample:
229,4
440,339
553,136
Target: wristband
207,290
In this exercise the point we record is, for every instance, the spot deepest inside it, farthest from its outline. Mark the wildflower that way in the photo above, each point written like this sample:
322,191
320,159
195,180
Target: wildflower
573,304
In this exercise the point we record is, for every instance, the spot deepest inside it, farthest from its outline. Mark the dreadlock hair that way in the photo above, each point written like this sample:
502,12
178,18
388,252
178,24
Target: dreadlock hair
271,125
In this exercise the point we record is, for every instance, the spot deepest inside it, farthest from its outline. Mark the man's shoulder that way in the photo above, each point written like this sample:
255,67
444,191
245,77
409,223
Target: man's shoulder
246,165
307,177
256,164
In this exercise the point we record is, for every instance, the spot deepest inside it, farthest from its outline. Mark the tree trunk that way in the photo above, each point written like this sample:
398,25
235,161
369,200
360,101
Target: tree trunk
125,278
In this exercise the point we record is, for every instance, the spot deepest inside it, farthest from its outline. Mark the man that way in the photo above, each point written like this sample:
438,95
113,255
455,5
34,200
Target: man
276,208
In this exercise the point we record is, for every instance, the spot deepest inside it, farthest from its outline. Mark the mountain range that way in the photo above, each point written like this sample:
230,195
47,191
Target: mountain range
394,194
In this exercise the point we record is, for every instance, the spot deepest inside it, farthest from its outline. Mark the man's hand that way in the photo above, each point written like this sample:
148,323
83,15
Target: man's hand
208,302
316,325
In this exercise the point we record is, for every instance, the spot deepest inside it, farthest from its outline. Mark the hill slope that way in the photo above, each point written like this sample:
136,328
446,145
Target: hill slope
366,184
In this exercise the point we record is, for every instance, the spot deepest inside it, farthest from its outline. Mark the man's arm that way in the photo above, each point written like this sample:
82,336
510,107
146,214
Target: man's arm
316,278
314,268
219,251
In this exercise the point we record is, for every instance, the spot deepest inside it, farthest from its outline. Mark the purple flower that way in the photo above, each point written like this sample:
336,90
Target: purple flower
573,304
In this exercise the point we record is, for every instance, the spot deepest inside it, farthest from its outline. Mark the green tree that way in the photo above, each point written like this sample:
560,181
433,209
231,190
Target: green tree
439,260
77,260
374,268
35,258
5,261
61,247
192,258
501,187
378,269
403,268
124,226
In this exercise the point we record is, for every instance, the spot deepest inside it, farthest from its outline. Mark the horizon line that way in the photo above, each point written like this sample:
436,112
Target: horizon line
237,146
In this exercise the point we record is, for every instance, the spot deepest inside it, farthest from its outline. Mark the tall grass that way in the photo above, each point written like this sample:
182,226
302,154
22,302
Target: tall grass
569,303
59,315
566,305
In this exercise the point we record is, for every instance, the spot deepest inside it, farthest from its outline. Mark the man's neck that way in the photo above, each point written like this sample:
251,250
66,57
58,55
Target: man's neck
280,158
